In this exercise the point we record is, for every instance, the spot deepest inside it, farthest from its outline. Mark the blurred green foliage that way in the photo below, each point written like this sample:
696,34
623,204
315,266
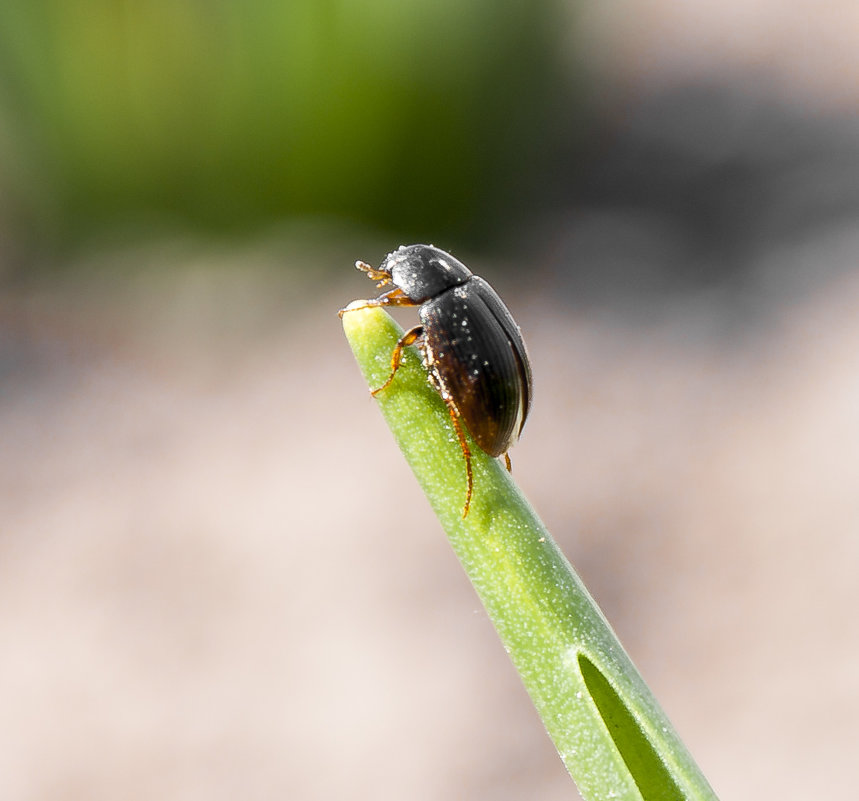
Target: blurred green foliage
422,116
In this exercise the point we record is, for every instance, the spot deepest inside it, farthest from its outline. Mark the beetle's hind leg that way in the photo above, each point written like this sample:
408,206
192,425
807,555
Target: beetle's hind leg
409,338
507,463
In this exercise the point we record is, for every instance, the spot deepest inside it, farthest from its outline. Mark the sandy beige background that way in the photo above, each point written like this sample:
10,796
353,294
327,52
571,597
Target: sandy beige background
219,580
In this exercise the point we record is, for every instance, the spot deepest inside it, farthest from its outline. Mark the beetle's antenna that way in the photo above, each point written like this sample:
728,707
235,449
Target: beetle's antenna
374,273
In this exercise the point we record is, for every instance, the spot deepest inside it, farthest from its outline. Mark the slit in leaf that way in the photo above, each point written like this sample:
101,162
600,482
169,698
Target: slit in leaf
648,771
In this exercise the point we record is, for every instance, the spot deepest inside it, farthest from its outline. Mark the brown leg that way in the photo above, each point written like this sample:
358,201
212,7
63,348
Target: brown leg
409,338
466,452
507,463
376,275
393,298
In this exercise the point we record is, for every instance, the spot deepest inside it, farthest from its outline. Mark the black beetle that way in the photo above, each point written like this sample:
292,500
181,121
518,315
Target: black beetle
470,343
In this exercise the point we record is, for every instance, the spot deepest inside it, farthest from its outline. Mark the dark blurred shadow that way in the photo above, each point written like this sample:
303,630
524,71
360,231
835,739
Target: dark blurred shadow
704,187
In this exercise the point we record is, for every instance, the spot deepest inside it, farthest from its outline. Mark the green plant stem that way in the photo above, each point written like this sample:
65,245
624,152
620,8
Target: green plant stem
609,730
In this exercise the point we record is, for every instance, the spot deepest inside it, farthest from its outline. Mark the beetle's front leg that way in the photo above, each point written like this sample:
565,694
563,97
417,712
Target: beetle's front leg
396,297
409,338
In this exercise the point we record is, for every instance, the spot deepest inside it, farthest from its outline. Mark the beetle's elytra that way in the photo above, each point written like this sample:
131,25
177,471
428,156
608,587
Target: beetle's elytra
470,343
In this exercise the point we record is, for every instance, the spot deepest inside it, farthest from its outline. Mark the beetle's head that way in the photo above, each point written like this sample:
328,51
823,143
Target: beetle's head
423,271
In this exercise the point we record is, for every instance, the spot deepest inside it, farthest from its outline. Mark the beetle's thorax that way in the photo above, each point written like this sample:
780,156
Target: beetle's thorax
423,271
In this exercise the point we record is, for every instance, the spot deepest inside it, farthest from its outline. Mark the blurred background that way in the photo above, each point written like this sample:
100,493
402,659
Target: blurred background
218,578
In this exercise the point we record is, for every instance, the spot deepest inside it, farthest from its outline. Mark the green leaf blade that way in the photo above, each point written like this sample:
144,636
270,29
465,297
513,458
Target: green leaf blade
609,730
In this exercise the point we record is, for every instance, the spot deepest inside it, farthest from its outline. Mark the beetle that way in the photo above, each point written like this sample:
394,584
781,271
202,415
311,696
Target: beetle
471,346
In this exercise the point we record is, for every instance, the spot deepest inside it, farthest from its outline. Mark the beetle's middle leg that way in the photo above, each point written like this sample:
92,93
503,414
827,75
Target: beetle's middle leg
466,452
409,338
